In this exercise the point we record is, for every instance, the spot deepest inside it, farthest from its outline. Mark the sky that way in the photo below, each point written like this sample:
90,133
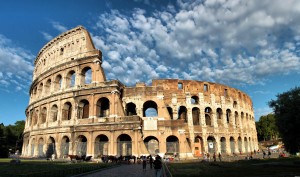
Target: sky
253,46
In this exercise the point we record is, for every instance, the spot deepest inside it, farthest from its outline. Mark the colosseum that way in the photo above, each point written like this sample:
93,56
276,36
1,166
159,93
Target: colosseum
74,110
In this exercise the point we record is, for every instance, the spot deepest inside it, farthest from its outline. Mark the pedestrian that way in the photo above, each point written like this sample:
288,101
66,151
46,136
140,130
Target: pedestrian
144,163
157,166
220,157
214,157
269,153
150,161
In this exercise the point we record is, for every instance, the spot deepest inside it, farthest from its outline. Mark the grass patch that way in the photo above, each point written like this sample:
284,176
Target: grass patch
285,167
43,168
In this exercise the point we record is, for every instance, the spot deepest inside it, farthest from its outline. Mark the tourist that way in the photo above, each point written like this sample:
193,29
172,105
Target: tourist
157,166
144,163
269,153
214,157
220,157
150,161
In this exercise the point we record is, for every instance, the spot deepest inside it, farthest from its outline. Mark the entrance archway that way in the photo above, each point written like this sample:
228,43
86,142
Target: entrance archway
64,147
41,148
211,142
81,145
152,144
124,146
101,146
223,145
198,144
50,147
232,145
172,144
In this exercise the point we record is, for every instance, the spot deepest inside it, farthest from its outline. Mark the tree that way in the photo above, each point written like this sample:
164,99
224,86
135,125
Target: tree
266,128
287,113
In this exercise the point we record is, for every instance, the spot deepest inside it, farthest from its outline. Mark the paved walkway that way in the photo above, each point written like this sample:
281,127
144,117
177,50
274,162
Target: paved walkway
131,170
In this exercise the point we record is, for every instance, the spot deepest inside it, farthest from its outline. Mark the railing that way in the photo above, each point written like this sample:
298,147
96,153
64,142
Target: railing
165,171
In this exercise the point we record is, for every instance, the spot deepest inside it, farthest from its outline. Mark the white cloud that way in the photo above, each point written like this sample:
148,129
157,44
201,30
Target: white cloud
16,65
47,36
59,27
203,40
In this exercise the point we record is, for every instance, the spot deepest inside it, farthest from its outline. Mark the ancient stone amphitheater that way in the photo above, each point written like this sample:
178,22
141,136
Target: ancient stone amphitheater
74,110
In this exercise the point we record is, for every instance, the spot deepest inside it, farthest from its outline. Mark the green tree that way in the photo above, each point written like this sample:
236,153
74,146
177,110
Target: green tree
287,113
266,128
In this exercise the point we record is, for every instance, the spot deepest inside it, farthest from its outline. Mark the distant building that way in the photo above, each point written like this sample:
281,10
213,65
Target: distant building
74,110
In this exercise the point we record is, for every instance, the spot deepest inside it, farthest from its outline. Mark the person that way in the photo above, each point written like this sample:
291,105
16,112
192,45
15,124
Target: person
144,163
214,157
150,161
269,153
157,166
264,154
220,157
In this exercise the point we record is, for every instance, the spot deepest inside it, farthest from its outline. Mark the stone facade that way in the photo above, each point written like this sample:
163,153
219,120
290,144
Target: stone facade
73,109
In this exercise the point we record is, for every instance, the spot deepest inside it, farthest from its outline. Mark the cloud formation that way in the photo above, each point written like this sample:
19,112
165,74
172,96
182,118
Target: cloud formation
16,66
220,41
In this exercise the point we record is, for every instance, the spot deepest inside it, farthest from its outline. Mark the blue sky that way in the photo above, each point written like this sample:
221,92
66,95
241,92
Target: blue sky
253,46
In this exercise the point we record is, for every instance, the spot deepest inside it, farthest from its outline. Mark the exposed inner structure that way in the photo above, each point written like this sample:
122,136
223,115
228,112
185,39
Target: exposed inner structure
74,110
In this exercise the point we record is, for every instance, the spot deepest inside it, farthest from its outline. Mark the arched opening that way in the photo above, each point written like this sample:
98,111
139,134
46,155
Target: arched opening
250,145
124,146
232,145
50,147
170,111
87,76
234,104
64,147
208,113
58,82
41,148
40,89
194,100
211,142
67,111
84,108
240,144
236,118
152,145
242,118
54,111
198,144
130,109
196,116
246,144
43,115
228,116
223,145
172,145
32,145
150,109
48,86
219,116
102,107
182,113
81,145
35,117
101,146
70,79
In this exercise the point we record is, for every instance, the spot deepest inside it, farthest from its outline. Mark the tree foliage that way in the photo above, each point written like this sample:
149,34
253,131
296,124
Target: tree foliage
11,138
266,128
287,113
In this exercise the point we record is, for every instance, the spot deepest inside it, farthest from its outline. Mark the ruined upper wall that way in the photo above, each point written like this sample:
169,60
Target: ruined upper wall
71,45
207,88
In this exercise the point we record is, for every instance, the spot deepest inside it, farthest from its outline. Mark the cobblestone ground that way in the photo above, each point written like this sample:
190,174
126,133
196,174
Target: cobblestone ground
131,170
